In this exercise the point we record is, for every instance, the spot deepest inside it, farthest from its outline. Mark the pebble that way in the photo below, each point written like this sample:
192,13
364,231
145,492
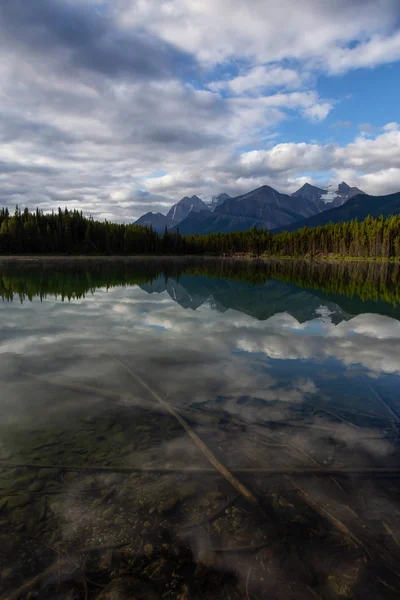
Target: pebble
187,490
36,486
108,514
16,501
128,588
22,482
48,473
167,505
6,574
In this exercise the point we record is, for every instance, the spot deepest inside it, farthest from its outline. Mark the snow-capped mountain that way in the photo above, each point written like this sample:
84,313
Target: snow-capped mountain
218,200
340,195
181,209
332,195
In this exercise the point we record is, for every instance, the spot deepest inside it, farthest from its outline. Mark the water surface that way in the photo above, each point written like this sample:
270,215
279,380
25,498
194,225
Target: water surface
288,372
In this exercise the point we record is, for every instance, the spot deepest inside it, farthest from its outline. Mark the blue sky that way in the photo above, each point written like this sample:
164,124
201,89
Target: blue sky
121,107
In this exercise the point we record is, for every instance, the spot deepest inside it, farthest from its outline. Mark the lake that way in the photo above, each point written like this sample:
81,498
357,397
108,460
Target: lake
199,429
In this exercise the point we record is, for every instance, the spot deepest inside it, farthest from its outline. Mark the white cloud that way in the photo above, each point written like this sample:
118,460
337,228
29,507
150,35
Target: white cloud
113,115
318,112
368,340
381,152
288,157
371,163
261,77
271,31
377,50
385,181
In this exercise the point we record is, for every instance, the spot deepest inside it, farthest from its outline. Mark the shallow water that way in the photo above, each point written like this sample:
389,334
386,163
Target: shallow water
287,372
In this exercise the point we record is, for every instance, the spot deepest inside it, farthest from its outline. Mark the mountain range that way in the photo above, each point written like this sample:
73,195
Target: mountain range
264,300
330,197
258,301
266,207
357,207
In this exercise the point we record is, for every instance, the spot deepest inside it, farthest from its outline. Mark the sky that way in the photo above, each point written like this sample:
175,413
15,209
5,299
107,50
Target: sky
119,107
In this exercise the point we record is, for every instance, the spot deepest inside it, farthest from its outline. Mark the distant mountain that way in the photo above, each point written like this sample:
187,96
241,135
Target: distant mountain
181,210
264,300
263,207
357,207
201,222
331,196
341,194
260,301
311,192
157,221
218,200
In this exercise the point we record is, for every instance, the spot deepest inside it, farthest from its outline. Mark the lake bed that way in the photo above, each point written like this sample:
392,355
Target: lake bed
287,373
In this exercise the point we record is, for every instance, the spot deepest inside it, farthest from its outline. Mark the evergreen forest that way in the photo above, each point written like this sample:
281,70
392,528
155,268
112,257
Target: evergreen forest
71,233
75,279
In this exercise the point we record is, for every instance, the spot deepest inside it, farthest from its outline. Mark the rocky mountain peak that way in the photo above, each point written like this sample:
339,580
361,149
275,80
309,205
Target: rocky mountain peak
181,209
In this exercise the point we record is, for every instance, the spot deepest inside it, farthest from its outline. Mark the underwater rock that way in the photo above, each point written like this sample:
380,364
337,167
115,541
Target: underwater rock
36,486
167,505
108,514
17,501
188,490
48,473
22,482
3,504
41,509
342,580
128,588
57,506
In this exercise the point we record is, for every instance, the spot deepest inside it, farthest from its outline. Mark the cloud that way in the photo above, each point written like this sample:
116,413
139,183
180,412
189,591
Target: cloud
259,78
288,157
71,341
268,31
368,340
81,38
371,163
116,108
377,50
318,112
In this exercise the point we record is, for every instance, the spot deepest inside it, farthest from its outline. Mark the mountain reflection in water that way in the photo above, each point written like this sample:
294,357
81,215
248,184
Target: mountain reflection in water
288,372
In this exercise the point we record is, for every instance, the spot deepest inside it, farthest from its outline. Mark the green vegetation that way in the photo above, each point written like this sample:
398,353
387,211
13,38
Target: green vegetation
69,232
72,278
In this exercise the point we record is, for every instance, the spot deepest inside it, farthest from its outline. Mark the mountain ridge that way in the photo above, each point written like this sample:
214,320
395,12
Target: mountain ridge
157,221
181,209
262,207
358,207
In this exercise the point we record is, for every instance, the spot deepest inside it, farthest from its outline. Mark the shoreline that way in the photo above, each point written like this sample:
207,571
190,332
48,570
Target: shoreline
62,258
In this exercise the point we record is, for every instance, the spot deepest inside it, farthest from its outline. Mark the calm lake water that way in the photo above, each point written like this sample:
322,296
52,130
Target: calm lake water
285,374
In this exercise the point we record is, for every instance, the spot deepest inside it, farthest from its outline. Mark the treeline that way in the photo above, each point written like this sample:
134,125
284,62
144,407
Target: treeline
69,232
371,238
70,279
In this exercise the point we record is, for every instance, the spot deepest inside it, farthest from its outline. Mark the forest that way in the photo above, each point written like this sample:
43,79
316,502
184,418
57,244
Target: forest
72,279
71,233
